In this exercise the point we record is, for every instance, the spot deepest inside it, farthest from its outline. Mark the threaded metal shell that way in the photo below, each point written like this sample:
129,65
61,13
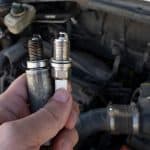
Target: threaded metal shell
35,49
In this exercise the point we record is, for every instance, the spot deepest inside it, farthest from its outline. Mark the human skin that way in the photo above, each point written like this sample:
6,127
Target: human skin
20,130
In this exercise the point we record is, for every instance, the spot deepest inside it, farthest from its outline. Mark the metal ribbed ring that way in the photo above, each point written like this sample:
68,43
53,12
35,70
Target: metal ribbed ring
135,121
111,119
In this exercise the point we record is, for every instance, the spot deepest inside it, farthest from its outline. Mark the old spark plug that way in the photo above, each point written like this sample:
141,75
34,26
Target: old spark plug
38,76
61,61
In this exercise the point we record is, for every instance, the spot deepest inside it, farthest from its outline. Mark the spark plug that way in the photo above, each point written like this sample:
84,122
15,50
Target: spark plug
61,61
38,75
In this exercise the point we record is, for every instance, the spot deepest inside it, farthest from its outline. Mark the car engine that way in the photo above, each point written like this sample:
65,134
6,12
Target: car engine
109,49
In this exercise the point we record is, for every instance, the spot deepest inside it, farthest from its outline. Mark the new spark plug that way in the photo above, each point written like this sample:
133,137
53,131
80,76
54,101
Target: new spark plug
38,75
61,61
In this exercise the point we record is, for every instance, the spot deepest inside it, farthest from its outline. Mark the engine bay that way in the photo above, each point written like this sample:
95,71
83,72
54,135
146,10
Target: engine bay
110,52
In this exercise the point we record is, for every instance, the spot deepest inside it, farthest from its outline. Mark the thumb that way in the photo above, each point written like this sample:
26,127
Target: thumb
46,123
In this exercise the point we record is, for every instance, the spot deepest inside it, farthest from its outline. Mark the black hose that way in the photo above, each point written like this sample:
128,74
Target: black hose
3,61
123,8
91,66
101,120
92,122
117,119
15,52
18,51
131,58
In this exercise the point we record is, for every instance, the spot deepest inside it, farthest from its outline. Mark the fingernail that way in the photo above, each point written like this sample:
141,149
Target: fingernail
61,95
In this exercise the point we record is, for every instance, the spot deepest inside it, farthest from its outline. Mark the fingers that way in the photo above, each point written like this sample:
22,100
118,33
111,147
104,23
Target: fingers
66,140
44,124
74,115
13,101
18,89
6,115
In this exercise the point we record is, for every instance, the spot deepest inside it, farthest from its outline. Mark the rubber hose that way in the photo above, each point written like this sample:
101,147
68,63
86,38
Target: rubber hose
101,120
94,67
92,122
3,60
18,51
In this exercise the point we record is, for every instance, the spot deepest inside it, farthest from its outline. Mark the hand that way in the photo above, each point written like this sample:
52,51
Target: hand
21,130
